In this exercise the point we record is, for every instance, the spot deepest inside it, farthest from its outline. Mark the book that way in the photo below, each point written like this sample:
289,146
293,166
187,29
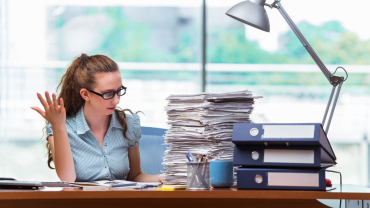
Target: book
103,184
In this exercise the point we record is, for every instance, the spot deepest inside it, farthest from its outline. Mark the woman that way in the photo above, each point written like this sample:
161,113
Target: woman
88,137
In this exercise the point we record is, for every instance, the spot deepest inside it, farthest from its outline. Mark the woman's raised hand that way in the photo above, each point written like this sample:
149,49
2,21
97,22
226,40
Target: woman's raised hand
55,114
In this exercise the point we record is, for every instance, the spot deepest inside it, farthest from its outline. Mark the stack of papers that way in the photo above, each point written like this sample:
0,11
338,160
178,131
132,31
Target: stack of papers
203,124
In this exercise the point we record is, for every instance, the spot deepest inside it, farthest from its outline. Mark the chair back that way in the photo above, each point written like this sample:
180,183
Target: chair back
152,150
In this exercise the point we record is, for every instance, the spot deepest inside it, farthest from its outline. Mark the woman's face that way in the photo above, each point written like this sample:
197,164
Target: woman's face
106,82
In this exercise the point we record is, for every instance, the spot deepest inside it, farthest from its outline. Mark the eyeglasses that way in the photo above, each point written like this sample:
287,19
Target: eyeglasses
110,95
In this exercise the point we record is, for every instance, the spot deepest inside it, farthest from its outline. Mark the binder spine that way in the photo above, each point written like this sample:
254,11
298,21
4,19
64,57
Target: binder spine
257,156
255,134
281,179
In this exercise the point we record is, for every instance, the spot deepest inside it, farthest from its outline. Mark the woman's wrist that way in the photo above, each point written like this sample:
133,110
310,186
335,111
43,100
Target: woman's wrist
59,127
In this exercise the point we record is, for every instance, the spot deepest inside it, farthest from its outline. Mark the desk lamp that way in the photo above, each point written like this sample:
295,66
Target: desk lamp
253,13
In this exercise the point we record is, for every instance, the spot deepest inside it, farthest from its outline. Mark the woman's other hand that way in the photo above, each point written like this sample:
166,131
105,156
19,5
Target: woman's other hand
55,114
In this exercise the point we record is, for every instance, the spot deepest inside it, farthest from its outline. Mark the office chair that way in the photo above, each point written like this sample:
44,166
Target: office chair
152,150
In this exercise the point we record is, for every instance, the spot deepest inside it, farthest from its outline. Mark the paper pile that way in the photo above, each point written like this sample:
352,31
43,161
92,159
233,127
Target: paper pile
202,123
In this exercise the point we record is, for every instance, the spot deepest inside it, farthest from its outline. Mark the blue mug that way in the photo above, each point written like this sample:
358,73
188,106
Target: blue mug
221,174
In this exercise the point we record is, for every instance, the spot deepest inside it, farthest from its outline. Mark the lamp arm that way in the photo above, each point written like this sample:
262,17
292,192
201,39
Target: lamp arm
334,80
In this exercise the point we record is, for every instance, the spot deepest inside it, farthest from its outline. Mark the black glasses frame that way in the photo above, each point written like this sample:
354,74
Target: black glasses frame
114,93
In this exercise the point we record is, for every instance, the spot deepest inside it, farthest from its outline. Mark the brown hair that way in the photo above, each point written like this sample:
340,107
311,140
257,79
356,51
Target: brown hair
81,74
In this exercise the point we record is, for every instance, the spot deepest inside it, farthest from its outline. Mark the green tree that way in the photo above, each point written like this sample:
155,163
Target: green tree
128,41
231,46
331,41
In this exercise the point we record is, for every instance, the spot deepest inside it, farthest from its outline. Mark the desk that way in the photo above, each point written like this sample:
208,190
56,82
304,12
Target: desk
150,198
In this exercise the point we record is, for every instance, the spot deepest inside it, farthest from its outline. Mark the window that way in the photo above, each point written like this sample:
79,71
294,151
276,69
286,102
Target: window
277,66
157,53
158,47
